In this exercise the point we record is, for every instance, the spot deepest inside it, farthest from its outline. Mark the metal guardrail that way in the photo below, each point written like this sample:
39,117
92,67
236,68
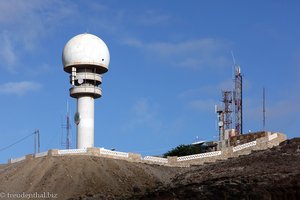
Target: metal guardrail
198,156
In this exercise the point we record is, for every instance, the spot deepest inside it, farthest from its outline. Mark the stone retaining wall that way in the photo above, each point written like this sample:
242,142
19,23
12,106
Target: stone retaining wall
270,140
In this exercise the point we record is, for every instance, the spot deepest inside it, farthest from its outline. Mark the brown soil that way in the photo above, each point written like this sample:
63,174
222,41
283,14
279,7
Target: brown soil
77,177
269,174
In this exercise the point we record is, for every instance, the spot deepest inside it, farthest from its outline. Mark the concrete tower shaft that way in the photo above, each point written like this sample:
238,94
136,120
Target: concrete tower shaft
85,126
85,57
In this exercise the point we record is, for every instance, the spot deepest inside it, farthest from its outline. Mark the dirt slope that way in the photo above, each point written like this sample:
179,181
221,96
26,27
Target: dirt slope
83,176
269,174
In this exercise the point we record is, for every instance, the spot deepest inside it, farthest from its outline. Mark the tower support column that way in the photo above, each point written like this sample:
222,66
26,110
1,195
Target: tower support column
85,126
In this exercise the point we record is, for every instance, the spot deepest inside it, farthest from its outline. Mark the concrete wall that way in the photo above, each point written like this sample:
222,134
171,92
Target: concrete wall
261,143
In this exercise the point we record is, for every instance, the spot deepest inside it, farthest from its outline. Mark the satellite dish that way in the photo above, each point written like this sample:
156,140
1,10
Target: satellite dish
220,123
80,81
77,118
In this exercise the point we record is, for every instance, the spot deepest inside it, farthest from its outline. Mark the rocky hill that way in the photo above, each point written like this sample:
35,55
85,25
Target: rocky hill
77,177
268,174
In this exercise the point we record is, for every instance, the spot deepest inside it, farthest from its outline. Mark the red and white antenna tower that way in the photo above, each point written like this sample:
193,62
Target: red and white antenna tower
238,99
227,100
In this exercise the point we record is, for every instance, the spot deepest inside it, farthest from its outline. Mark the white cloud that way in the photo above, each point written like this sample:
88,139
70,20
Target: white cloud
19,88
144,114
153,17
201,53
283,108
39,70
203,104
24,24
206,96
207,90
134,43
7,52
144,110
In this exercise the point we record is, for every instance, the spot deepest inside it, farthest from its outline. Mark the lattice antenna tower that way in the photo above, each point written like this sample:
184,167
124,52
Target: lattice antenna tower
238,100
238,97
227,100
67,128
220,113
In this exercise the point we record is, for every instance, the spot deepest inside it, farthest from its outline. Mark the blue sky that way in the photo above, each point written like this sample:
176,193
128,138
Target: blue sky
169,62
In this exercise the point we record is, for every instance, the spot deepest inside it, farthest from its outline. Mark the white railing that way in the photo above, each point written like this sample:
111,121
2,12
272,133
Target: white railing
71,151
113,153
42,154
156,159
201,155
244,146
14,160
273,136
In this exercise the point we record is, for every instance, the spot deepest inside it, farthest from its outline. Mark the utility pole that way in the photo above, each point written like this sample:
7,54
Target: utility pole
264,109
35,141
39,144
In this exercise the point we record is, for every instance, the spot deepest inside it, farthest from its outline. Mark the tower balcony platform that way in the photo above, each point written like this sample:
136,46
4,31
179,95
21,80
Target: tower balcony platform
82,77
86,90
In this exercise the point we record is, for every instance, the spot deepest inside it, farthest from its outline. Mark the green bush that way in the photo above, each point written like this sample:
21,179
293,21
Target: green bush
185,150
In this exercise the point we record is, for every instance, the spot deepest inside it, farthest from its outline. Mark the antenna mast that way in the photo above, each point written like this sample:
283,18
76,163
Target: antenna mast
37,141
66,143
264,109
227,100
68,128
238,97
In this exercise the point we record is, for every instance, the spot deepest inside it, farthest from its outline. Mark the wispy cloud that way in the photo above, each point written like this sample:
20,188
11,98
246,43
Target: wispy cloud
144,114
39,70
203,105
19,88
7,52
153,17
207,90
206,96
24,25
280,113
203,53
284,107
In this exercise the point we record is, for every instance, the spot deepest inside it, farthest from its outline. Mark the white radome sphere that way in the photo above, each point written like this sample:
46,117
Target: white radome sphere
86,50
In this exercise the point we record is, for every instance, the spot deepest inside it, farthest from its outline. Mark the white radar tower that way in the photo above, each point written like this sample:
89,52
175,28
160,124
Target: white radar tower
85,57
